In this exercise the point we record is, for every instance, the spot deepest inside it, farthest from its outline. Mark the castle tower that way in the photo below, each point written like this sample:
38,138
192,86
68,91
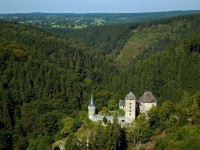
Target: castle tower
147,101
91,109
130,107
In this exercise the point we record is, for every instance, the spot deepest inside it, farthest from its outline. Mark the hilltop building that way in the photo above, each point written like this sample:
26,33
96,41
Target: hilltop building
130,105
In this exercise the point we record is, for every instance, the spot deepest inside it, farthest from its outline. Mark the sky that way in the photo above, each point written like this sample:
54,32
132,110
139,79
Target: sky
96,6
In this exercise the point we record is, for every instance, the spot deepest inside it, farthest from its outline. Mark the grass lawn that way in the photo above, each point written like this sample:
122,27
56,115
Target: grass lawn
74,27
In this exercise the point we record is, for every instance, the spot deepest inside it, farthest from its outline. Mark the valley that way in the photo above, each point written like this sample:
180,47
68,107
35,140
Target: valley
47,76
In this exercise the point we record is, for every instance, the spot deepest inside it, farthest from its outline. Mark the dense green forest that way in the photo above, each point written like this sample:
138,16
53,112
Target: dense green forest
42,76
47,78
154,55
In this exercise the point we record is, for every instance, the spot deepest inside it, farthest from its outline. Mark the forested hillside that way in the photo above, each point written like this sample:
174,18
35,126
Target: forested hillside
158,36
43,78
108,38
148,55
46,80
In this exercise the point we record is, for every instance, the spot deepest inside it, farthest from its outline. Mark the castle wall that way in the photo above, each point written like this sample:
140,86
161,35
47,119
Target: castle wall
122,107
109,118
146,107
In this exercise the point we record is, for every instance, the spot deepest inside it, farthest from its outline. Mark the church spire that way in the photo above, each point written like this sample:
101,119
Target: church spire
92,101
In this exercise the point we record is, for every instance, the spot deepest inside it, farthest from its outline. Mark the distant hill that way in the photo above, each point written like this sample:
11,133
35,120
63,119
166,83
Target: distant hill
153,37
67,20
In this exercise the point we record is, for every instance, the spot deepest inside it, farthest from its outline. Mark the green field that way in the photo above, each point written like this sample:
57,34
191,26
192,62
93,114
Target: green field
71,27
58,26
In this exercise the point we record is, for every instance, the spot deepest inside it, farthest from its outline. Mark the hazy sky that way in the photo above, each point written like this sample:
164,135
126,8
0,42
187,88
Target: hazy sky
95,6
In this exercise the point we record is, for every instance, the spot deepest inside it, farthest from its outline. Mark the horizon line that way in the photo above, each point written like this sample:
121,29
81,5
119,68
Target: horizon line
99,12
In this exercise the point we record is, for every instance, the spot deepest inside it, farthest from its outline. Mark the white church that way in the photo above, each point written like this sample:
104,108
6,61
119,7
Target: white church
130,105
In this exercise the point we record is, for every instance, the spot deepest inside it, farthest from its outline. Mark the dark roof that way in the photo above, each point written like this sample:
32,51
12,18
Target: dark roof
121,102
148,97
130,96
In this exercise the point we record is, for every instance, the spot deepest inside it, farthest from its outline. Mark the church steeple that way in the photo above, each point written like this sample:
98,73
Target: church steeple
91,101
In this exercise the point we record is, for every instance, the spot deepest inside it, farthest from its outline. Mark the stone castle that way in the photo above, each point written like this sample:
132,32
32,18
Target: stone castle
130,105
